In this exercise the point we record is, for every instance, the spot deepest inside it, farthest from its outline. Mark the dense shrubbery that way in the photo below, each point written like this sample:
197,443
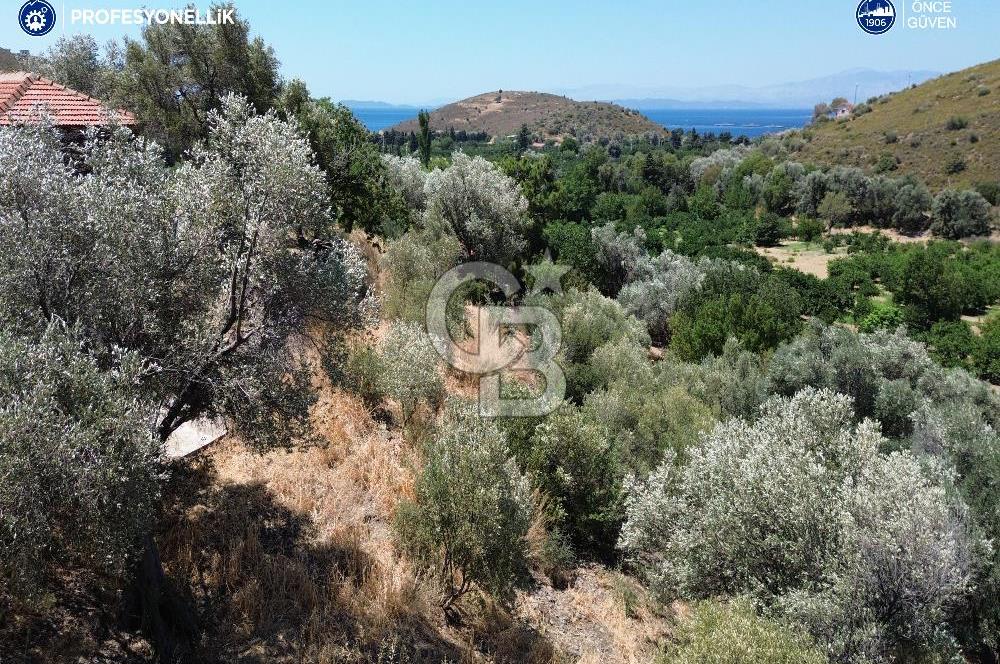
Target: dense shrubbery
866,564
575,462
875,551
79,466
836,483
732,301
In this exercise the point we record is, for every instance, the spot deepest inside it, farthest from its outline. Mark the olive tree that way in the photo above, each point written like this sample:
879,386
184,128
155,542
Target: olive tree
409,368
408,177
802,510
654,297
913,203
205,272
471,510
481,205
79,468
958,214
620,258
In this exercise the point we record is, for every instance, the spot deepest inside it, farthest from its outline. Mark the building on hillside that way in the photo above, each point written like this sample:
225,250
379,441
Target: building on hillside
26,98
841,111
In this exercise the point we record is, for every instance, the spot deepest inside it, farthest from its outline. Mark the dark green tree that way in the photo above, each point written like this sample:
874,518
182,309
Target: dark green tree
360,194
424,139
177,73
523,139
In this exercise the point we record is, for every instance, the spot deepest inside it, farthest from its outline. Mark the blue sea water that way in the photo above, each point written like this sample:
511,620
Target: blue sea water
740,121
377,119
745,122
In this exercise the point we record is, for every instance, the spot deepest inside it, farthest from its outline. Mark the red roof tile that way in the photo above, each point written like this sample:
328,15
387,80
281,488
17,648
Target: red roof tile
25,97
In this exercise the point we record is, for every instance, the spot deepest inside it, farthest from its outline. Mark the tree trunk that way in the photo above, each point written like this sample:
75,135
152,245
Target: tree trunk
164,618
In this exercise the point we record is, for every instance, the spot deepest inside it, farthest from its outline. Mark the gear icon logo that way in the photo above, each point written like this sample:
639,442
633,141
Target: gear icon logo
37,17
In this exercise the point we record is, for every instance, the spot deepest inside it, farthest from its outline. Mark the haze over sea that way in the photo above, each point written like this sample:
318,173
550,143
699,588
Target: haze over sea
746,122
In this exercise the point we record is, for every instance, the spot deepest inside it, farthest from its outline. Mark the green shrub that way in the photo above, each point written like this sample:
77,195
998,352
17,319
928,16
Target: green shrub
955,166
767,231
929,283
809,230
986,351
990,191
956,122
881,317
362,375
732,633
412,264
589,320
571,243
886,162
471,511
950,342
80,468
650,419
409,368
575,462
735,302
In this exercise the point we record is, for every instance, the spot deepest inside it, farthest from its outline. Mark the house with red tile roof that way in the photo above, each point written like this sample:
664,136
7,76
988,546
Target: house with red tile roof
26,97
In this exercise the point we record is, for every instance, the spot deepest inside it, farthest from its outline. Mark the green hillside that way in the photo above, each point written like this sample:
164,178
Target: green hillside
945,131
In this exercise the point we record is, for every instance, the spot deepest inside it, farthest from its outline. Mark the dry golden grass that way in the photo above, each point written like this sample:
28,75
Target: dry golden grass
604,616
291,552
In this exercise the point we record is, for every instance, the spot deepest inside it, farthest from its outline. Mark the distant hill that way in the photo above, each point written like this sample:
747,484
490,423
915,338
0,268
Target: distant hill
551,116
793,94
948,123
360,103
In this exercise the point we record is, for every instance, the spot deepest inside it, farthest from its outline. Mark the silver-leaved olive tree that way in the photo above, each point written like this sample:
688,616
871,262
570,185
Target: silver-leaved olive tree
202,275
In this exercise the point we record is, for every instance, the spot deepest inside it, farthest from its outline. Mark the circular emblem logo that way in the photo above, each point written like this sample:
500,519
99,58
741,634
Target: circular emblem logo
876,16
37,17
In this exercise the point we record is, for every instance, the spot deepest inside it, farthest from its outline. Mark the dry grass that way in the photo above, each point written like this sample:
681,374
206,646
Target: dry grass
811,260
603,617
289,556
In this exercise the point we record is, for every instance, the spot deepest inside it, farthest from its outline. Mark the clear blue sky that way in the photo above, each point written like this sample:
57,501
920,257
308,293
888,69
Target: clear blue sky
412,51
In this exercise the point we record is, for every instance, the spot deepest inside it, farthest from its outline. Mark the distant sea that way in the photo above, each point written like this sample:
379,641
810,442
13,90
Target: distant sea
746,122
377,119
741,121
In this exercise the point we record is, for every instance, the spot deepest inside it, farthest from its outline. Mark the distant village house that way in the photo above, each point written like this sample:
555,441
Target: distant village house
841,111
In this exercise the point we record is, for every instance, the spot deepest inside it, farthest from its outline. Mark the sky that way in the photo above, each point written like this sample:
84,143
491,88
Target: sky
440,50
